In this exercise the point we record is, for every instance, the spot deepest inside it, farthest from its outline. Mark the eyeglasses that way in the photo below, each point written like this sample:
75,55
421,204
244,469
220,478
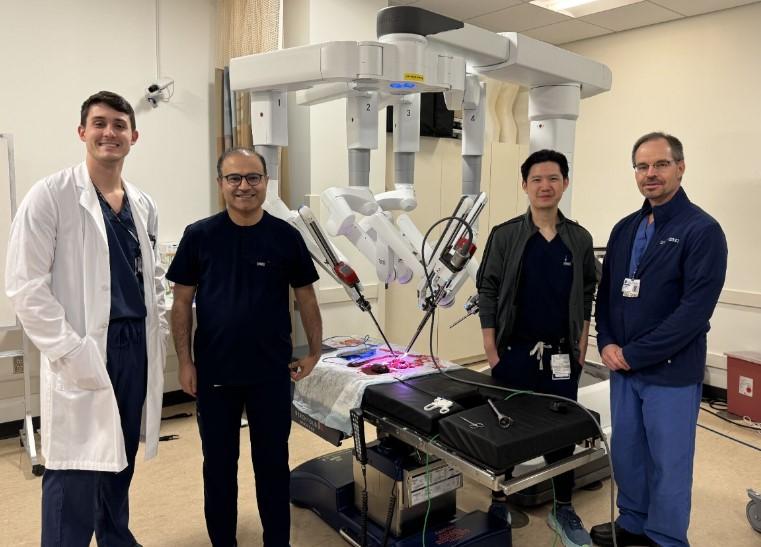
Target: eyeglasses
661,165
234,179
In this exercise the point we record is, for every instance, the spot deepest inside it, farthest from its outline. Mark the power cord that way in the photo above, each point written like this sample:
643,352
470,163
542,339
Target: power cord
391,506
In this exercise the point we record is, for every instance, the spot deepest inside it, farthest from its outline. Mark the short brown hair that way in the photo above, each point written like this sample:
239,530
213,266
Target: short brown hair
117,102
677,150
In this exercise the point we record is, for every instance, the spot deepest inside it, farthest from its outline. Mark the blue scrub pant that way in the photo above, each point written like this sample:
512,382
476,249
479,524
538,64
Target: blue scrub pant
268,410
653,447
517,369
77,503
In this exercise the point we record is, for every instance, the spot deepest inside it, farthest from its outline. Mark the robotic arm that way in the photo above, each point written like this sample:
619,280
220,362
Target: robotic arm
416,51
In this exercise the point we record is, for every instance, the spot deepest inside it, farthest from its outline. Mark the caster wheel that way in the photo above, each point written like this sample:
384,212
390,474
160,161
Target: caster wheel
753,511
38,470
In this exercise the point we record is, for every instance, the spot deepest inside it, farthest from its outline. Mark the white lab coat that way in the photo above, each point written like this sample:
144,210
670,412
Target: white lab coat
58,279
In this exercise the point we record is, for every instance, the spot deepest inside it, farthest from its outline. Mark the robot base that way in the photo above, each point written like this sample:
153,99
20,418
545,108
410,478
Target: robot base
326,486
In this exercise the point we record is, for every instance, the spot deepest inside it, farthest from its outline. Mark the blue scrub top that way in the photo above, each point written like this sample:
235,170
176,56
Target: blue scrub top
544,291
642,239
125,258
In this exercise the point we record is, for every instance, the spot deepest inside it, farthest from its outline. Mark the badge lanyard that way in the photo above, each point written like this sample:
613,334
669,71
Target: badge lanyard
139,257
631,285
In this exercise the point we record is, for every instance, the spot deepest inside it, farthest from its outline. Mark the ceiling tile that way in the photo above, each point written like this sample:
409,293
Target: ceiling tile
459,9
518,19
566,31
632,16
696,7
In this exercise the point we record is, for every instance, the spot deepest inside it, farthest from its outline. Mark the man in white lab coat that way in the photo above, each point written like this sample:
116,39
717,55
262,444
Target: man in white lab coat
86,285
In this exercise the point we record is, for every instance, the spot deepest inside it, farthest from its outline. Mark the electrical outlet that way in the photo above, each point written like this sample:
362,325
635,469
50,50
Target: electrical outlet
18,364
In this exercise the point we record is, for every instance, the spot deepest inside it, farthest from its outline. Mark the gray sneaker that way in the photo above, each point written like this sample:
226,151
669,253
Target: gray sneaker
567,524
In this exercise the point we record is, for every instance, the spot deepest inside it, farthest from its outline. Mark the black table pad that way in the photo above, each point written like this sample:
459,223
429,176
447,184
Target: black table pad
536,430
402,402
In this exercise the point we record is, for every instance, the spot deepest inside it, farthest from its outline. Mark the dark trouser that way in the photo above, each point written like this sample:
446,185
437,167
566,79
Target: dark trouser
517,369
653,448
268,409
76,503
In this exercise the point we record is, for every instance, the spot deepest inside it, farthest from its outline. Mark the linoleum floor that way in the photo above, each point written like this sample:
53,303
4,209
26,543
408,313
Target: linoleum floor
167,493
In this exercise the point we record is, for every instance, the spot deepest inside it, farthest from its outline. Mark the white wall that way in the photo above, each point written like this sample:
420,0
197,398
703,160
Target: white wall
56,54
699,79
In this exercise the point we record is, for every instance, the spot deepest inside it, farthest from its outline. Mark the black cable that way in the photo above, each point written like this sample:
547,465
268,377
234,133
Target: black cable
390,510
431,299
729,437
514,392
364,507
718,405
425,237
178,416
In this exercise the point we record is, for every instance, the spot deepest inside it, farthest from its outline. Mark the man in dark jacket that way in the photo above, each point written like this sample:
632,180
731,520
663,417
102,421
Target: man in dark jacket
536,285
663,271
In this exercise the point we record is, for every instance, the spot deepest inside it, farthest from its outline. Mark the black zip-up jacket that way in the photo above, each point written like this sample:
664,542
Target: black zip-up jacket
663,330
500,271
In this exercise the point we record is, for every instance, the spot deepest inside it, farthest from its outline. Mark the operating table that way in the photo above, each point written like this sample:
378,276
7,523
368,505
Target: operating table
425,450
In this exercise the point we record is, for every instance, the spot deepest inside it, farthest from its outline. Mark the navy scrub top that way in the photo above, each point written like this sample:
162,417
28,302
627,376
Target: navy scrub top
242,276
127,290
544,291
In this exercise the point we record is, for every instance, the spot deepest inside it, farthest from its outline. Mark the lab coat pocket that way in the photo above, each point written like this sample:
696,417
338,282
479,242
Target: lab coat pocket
82,369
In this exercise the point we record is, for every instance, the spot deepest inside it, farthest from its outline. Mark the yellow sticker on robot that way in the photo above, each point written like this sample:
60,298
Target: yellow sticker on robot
414,77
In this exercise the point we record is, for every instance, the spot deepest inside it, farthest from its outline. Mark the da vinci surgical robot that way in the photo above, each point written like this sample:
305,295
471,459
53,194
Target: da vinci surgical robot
416,51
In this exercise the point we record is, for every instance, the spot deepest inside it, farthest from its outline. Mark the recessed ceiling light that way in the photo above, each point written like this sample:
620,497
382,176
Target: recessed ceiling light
580,8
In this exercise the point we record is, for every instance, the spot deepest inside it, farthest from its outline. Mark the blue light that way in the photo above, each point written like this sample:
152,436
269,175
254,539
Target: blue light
408,85
396,85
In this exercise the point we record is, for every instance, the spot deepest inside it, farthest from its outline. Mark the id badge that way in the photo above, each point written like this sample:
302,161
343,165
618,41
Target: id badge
561,366
630,288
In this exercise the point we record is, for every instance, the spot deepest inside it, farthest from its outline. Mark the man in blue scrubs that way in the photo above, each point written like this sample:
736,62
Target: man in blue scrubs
239,265
536,285
84,281
662,275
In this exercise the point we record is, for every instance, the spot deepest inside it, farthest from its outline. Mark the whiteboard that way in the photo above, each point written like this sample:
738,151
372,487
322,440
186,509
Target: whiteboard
7,209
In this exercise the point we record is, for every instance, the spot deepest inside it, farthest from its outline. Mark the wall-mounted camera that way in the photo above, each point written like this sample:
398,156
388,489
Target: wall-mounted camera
159,91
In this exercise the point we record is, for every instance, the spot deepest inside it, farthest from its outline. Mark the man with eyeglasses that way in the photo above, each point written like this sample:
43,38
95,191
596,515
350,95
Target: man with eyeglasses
663,272
239,265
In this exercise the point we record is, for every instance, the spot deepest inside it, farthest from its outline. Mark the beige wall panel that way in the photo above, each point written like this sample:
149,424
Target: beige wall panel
438,187
697,78
402,312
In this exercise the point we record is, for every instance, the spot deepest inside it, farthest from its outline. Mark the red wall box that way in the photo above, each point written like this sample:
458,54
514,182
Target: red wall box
744,384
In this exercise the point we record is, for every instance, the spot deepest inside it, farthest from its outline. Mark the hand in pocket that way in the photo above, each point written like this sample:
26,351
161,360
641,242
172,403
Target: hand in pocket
83,368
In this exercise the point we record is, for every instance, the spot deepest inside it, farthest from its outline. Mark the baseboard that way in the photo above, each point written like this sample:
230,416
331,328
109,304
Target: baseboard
714,393
11,429
177,397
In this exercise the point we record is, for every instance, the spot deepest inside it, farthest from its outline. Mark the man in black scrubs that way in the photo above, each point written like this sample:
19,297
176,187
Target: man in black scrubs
239,265
536,285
